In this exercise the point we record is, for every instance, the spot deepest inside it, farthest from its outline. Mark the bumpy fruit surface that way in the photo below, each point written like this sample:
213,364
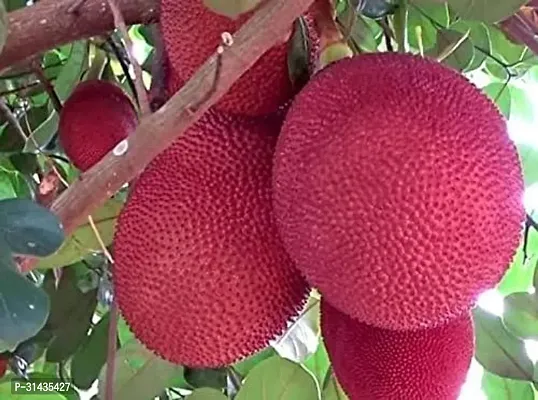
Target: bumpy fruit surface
191,33
397,190
94,119
200,273
3,366
379,364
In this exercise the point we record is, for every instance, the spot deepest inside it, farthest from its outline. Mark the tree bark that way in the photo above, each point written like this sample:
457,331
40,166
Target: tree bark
50,23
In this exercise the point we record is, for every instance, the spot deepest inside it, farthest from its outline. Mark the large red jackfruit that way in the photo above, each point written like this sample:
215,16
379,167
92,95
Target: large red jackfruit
94,119
191,33
379,364
200,273
397,190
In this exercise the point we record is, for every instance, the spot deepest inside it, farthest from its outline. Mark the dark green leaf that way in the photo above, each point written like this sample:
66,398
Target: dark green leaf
299,54
521,315
91,356
497,388
479,37
139,374
422,34
23,311
29,228
497,350
70,316
453,48
486,10
206,377
25,163
278,378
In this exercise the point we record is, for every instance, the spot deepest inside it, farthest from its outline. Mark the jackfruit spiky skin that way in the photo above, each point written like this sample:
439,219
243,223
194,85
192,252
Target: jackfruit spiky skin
379,364
3,366
191,33
94,119
200,274
397,190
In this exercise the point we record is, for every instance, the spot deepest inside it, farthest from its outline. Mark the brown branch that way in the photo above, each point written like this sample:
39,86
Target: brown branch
49,88
157,131
50,23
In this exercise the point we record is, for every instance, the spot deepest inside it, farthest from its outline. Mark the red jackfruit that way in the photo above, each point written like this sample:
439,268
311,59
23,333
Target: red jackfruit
94,119
200,273
379,364
191,33
397,190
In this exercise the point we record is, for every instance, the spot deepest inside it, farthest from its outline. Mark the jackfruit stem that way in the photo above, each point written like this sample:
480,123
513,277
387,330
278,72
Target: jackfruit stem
333,45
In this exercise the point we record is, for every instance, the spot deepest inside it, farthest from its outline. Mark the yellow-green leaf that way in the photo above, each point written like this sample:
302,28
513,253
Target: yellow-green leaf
83,241
278,378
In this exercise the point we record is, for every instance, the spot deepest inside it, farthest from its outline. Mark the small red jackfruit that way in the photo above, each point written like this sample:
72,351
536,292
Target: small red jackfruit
397,190
200,274
379,364
3,366
94,119
191,33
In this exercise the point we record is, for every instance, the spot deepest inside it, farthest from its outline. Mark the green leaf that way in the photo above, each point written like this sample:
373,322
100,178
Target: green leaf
333,390
24,309
529,160
301,339
83,241
500,94
231,8
497,350
63,86
318,363
486,10
29,228
422,34
245,366
480,40
522,105
521,314
278,378
454,48
206,377
91,355
498,388
139,374
206,394
3,25
70,316
7,191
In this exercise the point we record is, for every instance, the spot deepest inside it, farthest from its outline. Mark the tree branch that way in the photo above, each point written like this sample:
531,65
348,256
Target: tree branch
159,130
50,23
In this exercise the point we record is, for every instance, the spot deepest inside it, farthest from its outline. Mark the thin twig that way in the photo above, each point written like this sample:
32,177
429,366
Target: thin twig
141,91
124,66
11,118
55,100
111,351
